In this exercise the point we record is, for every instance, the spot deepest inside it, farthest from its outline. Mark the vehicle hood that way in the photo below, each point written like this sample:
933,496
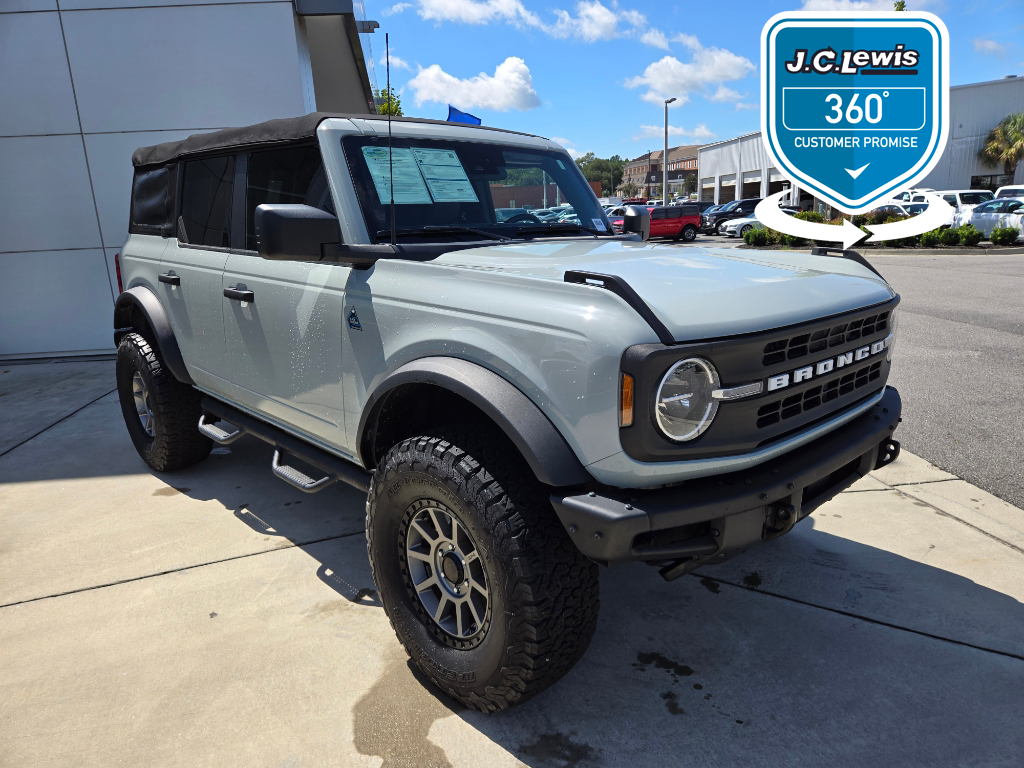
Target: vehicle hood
698,293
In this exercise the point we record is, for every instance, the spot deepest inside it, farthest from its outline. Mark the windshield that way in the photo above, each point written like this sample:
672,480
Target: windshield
451,189
974,198
915,208
729,206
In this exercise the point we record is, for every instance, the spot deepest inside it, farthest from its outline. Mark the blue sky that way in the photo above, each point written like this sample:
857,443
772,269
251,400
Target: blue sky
593,73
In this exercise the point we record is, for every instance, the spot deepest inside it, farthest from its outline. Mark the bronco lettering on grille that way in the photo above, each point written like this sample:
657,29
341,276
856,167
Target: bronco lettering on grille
807,372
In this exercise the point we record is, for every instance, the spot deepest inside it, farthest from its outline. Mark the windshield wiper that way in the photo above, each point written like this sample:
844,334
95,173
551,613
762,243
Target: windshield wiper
548,228
441,230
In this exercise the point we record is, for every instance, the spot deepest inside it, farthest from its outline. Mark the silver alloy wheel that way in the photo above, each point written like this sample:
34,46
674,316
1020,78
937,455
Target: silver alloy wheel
141,396
445,569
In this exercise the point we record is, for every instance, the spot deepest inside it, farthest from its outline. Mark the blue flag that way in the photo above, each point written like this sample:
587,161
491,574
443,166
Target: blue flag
457,116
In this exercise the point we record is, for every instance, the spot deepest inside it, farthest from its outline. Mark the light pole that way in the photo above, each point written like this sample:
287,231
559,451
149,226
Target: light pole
664,158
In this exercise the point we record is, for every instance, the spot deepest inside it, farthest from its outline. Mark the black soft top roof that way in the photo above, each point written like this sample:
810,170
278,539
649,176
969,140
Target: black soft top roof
270,132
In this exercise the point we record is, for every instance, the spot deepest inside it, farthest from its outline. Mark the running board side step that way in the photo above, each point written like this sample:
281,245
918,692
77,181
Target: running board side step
285,444
298,479
217,434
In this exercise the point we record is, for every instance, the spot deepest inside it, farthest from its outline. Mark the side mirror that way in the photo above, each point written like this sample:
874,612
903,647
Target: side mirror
294,232
637,219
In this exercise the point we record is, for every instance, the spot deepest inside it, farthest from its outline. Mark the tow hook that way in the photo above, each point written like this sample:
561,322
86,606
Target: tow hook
779,519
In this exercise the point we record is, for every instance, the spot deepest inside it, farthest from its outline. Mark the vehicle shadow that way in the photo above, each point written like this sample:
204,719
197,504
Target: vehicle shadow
775,663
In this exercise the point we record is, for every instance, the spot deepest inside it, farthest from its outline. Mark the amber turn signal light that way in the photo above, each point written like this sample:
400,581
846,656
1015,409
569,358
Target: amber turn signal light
626,400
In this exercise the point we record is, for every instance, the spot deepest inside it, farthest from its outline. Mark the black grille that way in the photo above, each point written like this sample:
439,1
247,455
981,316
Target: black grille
779,351
809,399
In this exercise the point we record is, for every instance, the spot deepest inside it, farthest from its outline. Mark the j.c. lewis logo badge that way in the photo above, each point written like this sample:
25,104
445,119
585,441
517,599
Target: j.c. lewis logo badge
854,106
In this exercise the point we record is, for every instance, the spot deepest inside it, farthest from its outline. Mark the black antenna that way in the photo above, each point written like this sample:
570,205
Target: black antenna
391,160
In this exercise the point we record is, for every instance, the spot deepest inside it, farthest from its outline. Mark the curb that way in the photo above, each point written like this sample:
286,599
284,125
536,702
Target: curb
869,252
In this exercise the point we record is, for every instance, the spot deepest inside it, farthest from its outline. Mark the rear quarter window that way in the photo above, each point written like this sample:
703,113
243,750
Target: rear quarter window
152,201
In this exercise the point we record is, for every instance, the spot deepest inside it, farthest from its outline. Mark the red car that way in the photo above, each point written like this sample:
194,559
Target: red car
680,222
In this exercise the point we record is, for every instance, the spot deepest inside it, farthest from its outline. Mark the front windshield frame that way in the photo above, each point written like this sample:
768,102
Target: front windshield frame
486,161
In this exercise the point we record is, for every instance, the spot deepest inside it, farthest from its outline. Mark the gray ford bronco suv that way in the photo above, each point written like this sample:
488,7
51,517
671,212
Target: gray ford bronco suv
521,400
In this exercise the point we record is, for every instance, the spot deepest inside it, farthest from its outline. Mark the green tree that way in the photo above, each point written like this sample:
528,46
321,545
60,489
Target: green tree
690,185
630,190
900,5
1005,145
396,102
608,171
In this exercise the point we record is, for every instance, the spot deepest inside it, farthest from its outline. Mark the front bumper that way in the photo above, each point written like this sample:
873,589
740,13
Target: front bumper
713,518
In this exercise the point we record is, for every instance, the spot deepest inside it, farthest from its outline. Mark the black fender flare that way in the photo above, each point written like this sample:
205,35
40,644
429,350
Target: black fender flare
537,439
142,299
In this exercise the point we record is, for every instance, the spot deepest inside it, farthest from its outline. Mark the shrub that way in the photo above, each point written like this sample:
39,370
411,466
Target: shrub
950,236
793,241
1004,235
810,216
756,237
931,239
969,236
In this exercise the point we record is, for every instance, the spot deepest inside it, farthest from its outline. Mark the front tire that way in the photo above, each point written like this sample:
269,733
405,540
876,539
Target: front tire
466,513
161,413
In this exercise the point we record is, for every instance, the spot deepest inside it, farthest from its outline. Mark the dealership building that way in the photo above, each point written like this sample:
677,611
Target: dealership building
84,83
740,168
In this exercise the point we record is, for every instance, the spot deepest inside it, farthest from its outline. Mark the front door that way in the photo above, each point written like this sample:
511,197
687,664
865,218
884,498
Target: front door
283,342
193,264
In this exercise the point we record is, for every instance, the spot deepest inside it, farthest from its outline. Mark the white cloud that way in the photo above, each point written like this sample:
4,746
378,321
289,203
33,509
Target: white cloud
593,22
658,131
655,38
747,105
710,67
510,87
479,11
725,94
567,145
847,5
396,62
396,8
989,46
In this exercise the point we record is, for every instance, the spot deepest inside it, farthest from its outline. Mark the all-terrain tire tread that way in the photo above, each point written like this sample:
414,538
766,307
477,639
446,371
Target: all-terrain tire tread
178,443
553,589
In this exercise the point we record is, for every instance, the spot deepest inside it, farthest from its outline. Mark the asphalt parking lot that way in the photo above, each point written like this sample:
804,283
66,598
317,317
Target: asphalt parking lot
215,616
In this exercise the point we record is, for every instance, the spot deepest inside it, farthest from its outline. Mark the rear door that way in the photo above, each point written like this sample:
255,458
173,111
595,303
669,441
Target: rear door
283,347
193,264
659,224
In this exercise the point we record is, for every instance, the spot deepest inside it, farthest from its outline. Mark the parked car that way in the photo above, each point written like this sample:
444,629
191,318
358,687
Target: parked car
1000,212
1011,191
963,200
515,214
912,195
680,222
705,205
520,404
739,227
654,203
711,223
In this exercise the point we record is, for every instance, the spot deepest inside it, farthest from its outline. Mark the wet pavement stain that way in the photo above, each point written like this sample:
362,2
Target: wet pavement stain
676,669
710,585
672,703
752,579
552,748
392,720
168,491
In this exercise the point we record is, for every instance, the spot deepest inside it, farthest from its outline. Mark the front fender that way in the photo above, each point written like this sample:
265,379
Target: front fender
541,444
141,303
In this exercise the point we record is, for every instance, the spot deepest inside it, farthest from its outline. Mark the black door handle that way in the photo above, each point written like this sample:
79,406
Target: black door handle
169,278
239,295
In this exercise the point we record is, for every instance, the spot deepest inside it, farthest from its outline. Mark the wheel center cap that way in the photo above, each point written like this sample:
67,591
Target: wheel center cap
451,566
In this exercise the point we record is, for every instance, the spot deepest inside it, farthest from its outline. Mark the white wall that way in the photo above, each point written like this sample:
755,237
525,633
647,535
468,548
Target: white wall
80,89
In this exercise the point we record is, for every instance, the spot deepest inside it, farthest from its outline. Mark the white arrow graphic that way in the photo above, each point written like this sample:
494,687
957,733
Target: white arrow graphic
768,213
858,172
935,215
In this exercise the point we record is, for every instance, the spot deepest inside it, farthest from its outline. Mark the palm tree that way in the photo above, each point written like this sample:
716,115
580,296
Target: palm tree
1005,145
629,190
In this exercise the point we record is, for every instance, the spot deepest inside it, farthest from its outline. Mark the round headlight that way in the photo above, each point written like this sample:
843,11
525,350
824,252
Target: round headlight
684,407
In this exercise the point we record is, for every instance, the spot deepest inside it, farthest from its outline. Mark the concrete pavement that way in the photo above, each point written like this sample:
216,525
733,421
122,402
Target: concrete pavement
216,616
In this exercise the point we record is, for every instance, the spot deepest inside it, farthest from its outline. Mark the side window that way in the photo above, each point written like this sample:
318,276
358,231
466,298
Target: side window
951,199
986,208
1013,207
206,201
291,175
657,213
150,197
